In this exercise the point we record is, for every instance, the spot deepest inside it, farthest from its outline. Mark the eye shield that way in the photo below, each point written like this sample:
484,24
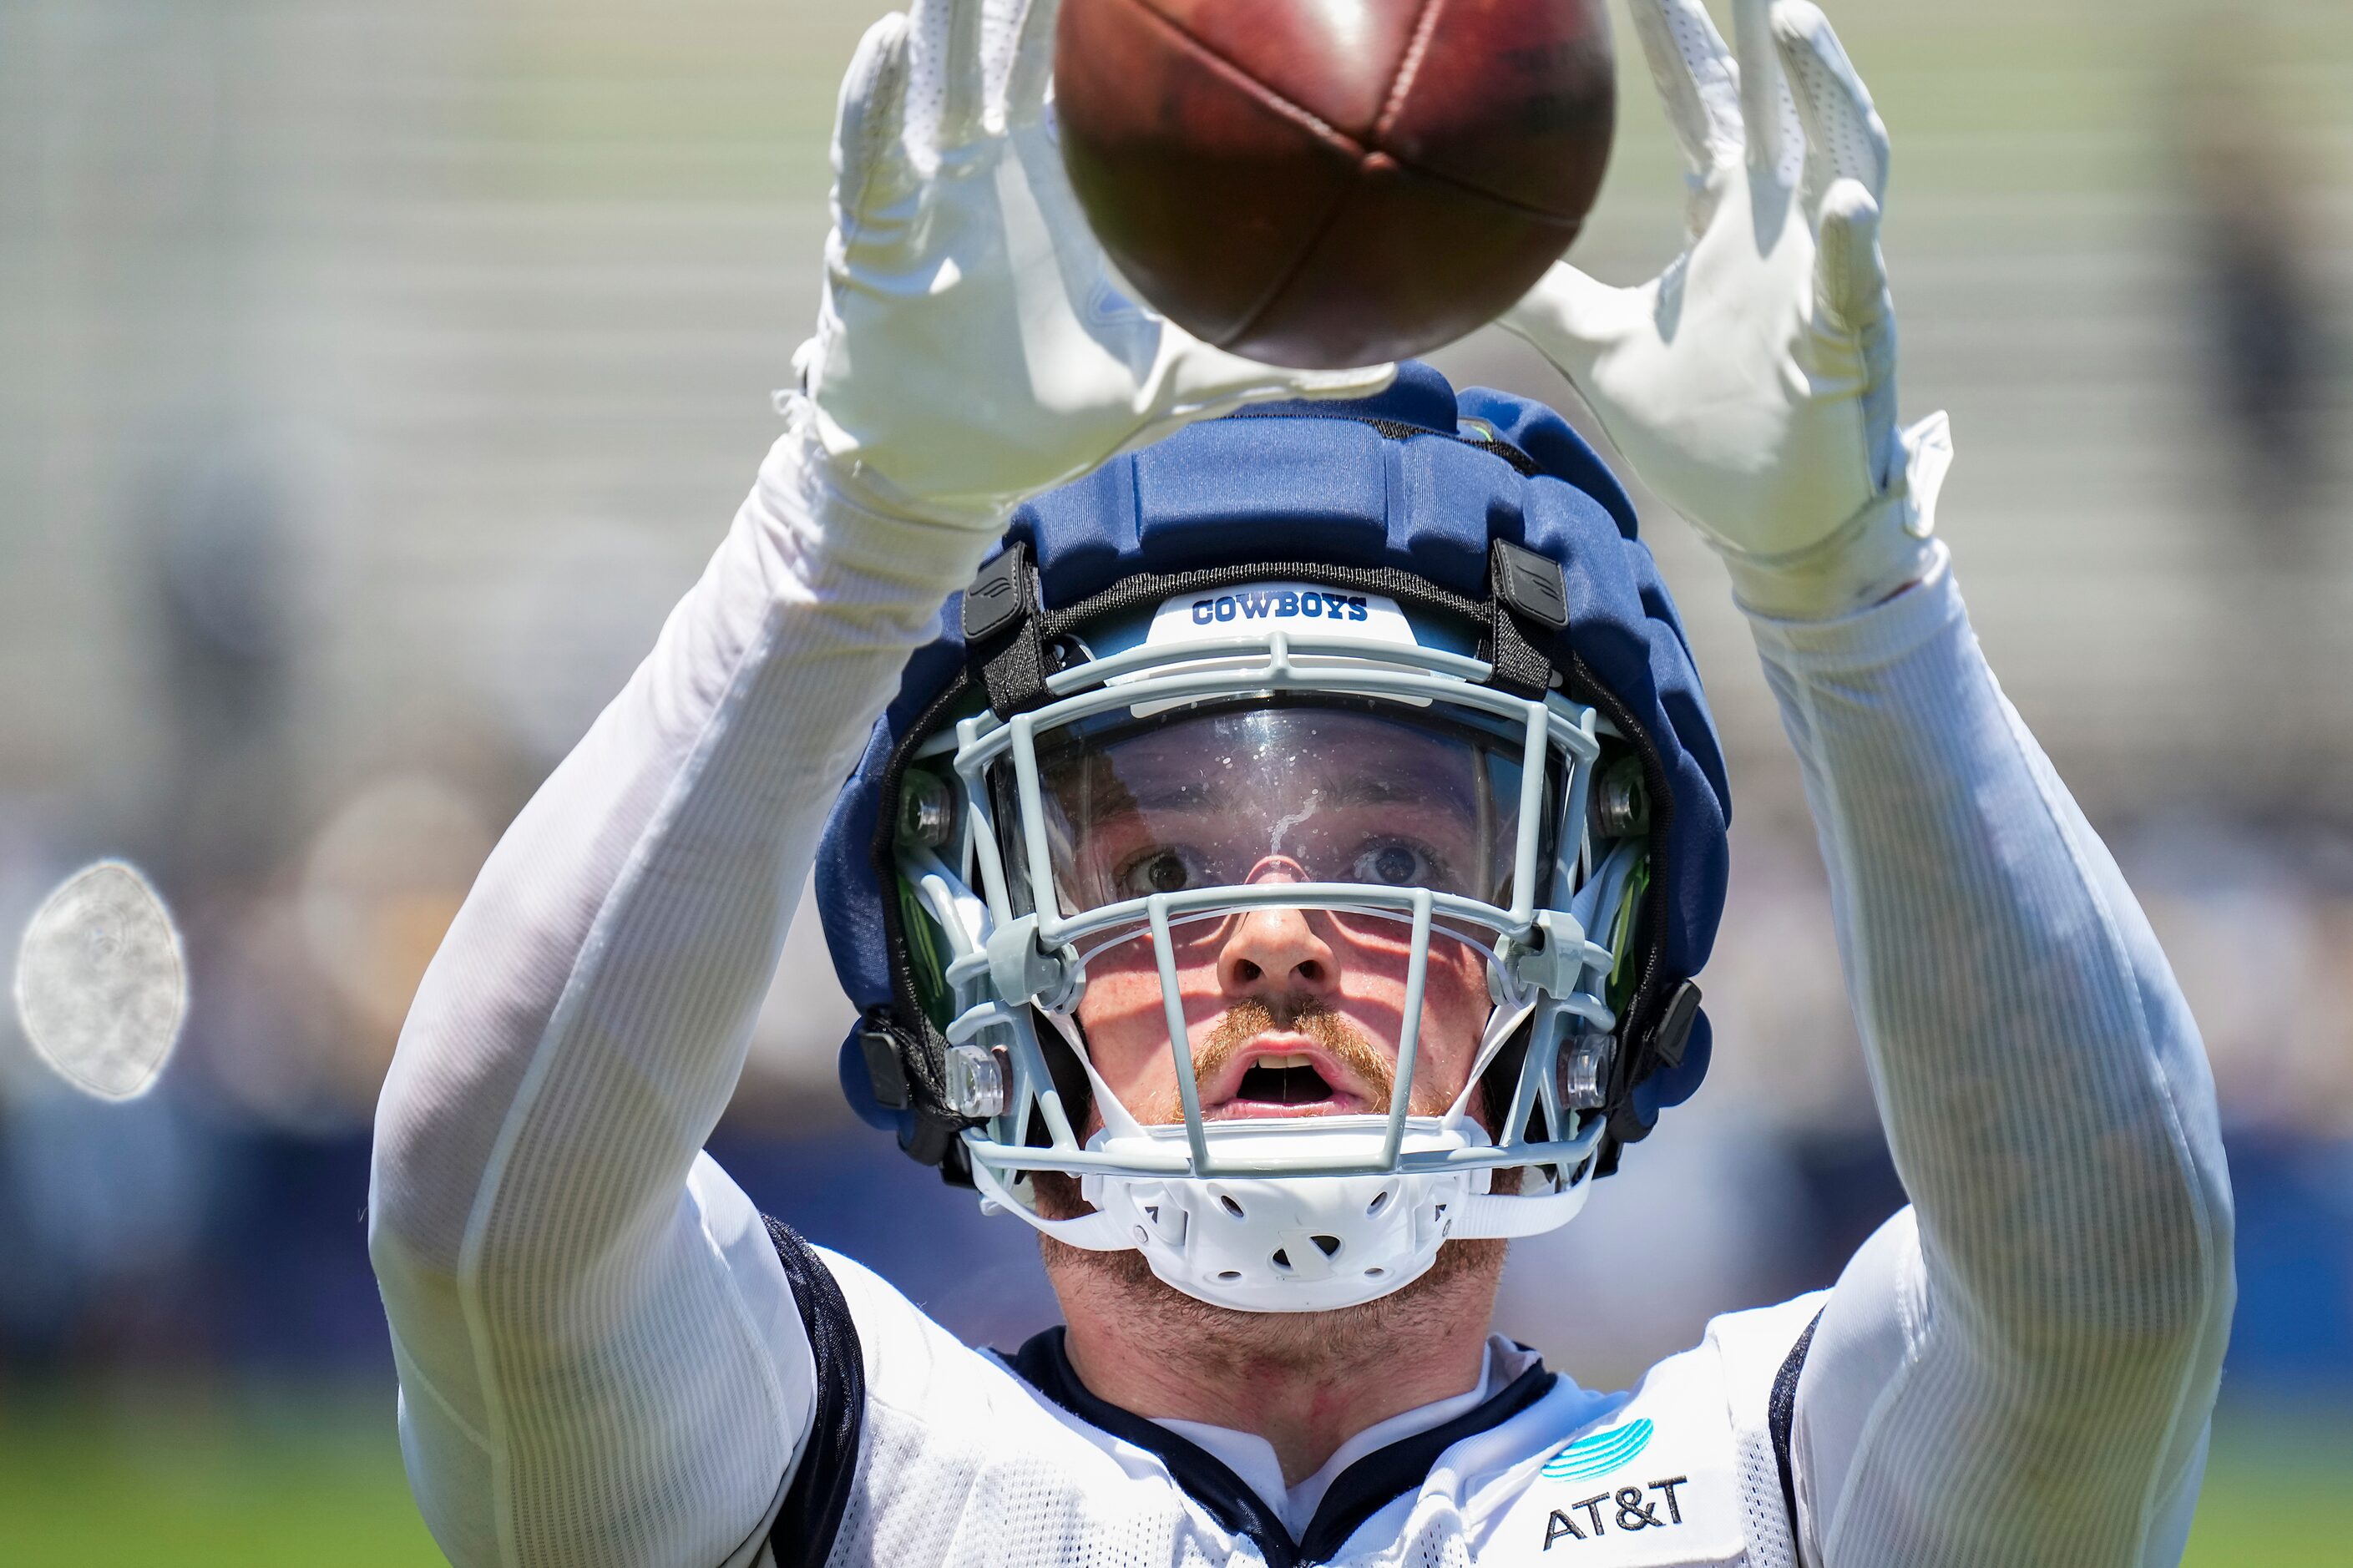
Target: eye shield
1245,792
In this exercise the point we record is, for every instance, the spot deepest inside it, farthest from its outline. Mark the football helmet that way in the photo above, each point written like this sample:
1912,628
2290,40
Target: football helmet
1400,667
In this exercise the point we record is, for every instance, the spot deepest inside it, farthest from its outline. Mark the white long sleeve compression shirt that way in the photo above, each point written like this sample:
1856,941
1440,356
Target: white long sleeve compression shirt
2019,1368
600,1359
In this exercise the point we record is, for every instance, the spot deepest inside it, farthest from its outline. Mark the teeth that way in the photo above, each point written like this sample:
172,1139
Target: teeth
1294,1059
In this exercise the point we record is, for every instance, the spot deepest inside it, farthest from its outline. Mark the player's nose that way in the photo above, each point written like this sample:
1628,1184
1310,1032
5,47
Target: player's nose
1274,949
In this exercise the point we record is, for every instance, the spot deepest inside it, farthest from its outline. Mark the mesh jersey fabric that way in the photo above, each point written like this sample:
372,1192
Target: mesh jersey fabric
966,1462
602,1366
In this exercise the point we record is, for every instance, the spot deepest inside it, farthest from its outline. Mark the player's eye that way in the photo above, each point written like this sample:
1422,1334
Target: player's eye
1396,863
1171,869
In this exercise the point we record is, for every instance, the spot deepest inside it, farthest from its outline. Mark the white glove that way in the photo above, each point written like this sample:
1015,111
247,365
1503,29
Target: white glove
1752,385
971,350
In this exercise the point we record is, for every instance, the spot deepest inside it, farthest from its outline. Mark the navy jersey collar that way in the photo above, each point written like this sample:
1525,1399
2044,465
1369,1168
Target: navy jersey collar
1361,1490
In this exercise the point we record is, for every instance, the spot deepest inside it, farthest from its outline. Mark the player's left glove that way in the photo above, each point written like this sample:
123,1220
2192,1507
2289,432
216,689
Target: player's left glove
1752,385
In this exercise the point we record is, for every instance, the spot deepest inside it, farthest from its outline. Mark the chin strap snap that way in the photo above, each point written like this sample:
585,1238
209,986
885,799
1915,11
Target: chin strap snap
908,1072
1661,1046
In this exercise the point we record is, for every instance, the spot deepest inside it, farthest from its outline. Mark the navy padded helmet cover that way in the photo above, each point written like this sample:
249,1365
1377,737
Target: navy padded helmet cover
1315,481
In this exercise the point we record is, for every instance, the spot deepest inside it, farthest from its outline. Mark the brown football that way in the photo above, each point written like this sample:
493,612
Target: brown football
1326,183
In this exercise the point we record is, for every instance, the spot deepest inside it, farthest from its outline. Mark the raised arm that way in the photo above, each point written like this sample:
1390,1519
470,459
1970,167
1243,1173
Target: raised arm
2019,1367
600,1361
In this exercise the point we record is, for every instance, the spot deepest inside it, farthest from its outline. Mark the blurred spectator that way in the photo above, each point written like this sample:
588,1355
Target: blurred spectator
1786,1047
2259,926
2251,185
225,568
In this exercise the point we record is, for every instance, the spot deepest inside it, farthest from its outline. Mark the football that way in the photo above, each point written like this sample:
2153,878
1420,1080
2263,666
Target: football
1329,182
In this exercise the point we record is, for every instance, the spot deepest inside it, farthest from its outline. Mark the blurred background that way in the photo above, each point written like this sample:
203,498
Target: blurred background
375,373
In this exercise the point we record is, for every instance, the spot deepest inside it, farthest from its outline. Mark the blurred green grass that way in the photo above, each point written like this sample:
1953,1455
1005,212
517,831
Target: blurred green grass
189,1478
2278,1492
186,1480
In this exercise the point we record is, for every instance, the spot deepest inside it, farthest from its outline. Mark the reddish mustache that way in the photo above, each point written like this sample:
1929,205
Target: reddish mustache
1246,1020
1372,1067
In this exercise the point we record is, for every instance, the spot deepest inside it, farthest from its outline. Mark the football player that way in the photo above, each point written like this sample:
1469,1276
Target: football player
1276,856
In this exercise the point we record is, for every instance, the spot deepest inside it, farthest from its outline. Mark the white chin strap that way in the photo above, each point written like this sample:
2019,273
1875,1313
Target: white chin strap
1293,1244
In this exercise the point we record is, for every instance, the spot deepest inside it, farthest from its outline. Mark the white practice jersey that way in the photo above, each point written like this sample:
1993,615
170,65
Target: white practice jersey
607,1361
969,1457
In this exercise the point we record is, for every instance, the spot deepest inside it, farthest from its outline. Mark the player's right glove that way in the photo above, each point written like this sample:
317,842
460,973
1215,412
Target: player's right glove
1752,385
971,350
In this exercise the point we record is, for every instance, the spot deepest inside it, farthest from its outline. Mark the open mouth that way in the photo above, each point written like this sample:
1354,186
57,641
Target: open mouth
1283,1081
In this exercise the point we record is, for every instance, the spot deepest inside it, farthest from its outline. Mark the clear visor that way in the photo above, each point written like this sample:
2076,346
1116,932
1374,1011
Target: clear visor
1385,794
